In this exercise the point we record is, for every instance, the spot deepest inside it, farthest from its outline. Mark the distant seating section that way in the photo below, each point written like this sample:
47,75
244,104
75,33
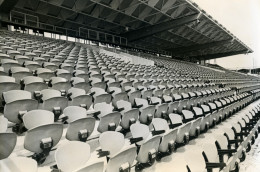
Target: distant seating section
67,106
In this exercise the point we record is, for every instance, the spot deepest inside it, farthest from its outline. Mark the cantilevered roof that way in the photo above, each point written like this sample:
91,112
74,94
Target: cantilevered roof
178,27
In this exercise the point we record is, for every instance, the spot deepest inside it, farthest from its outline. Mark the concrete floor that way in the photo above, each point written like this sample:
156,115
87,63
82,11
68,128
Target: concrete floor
252,162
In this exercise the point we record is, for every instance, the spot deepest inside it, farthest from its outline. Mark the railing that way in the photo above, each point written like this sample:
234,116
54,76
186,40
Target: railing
21,18
85,33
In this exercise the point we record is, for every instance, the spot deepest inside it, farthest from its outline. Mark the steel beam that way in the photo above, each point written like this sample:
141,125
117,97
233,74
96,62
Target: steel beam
218,55
183,50
157,28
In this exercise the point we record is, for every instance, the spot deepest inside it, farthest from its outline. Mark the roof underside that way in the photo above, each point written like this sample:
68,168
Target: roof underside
176,26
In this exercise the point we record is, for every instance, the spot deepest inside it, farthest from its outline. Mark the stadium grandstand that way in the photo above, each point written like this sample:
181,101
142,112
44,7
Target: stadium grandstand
122,86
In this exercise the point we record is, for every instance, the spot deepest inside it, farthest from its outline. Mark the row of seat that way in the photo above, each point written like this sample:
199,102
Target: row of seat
71,97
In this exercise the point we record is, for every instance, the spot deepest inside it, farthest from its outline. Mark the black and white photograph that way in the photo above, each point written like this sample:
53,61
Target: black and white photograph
129,85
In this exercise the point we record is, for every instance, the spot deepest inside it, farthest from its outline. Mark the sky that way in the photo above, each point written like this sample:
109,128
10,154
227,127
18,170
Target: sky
242,18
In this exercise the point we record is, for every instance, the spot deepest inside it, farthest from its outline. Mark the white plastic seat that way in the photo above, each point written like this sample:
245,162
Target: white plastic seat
122,160
100,95
79,98
35,118
7,144
72,156
19,164
147,111
112,146
129,115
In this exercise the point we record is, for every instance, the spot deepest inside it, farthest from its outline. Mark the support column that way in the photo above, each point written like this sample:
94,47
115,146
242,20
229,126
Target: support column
202,62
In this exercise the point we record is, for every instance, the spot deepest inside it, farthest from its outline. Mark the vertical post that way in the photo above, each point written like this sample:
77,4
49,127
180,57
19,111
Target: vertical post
66,35
25,22
202,62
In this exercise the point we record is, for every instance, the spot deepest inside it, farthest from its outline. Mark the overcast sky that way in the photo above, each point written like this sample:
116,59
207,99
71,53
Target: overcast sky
242,18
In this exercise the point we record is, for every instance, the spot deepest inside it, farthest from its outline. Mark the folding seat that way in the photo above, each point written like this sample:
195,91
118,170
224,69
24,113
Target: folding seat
6,48
39,60
100,95
31,65
96,82
18,164
81,74
52,62
52,101
74,156
122,160
68,66
44,73
161,109
2,72
51,66
108,147
63,74
7,144
78,82
80,126
7,83
129,115
4,56
176,121
168,144
13,53
146,111
159,91
173,106
120,157
82,67
78,97
148,145
117,94
21,59
61,84
42,135
146,93
19,73
14,99
109,119
45,56
7,64
195,123
33,83
29,54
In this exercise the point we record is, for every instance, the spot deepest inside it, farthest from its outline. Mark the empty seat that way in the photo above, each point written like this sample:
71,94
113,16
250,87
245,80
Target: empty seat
53,101
72,156
148,145
80,126
42,135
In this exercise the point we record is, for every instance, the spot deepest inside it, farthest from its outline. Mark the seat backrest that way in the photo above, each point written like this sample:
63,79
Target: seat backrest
125,156
140,130
14,95
4,79
175,118
7,144
160,124
72,156
76,92
104,108
113,146
35,118
50,93
32,79
74,113
18,163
